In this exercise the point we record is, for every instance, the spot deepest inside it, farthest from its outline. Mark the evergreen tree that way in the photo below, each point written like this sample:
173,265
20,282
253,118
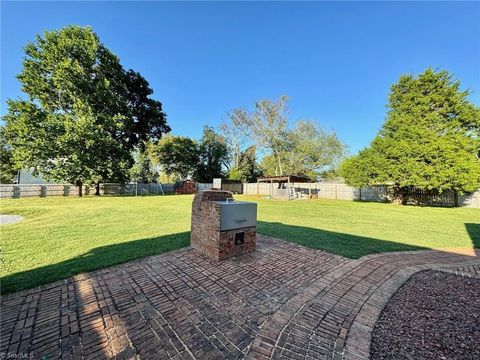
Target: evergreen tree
430,139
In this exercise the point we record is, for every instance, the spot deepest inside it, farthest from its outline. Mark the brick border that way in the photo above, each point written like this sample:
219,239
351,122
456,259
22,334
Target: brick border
360,333
350,335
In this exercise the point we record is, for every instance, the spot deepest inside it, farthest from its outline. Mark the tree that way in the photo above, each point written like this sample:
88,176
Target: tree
177,155
7,165
234,131
247,169
268,126
143,170
430,139
213,152
84,114
146,120
362,169
313,151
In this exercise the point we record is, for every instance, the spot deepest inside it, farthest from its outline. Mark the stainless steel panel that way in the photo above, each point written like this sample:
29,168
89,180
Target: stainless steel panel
237,214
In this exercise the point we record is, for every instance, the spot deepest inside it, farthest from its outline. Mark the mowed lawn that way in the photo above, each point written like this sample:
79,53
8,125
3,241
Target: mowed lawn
63,236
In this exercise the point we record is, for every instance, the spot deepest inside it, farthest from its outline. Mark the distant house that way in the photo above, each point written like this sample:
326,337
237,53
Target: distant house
26,177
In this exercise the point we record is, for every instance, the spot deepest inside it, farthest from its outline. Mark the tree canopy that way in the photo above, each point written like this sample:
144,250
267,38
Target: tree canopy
213,155
268,126
84,114
184,157
177,155
430,139
307,149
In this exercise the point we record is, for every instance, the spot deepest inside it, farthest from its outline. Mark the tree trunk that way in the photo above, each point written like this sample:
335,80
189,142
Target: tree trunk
279,162
97,189
455,198
80,189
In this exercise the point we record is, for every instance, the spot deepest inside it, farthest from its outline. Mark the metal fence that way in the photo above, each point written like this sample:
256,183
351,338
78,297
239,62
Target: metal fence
321,190
17,191
341,191
33,190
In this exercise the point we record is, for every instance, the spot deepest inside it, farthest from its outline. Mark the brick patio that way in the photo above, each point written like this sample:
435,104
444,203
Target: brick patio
282,301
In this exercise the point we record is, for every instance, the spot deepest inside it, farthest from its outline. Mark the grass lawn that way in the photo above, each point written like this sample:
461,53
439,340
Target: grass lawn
64,236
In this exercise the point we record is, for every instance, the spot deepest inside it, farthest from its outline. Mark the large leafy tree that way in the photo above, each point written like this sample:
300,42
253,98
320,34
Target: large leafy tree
184,158
214,156
268,126
235,133
84,114
248,169
313,151
177,155
430,139
307,150
146,119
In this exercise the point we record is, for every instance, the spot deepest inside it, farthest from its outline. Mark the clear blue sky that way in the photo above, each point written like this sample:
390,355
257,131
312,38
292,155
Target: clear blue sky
336,61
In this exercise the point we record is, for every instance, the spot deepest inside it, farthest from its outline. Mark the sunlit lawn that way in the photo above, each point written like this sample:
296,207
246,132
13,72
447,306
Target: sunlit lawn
62,236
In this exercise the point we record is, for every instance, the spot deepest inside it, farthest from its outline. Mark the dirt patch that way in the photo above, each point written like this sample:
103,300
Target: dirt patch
10,219
434,315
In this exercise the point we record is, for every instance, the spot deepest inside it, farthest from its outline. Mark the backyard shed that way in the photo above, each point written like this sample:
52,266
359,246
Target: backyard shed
185,187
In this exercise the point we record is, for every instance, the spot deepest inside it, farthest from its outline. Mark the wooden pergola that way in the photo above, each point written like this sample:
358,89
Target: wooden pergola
284,179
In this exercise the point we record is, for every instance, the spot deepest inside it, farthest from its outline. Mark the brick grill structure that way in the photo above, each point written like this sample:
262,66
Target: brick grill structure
207,235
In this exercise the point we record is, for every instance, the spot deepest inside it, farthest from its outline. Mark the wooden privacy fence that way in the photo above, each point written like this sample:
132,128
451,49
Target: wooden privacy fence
446,198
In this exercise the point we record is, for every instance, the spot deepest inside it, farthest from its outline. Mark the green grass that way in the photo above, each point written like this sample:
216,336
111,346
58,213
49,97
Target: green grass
354,229
61,236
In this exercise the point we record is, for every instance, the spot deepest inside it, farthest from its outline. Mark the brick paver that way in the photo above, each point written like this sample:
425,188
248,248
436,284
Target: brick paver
282,301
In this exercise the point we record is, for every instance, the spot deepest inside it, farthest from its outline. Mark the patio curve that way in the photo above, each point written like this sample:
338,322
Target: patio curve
282,301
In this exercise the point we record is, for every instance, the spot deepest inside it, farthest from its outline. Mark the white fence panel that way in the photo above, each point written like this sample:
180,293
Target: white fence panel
204,186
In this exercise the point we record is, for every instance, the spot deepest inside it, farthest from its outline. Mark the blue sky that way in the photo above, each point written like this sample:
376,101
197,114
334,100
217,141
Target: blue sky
336,61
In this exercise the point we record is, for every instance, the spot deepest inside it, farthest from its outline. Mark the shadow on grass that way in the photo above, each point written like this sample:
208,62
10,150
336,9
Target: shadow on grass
348,245
97,258
474,232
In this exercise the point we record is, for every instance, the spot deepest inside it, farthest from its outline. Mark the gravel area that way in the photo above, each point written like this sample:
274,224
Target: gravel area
10,219
434,315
